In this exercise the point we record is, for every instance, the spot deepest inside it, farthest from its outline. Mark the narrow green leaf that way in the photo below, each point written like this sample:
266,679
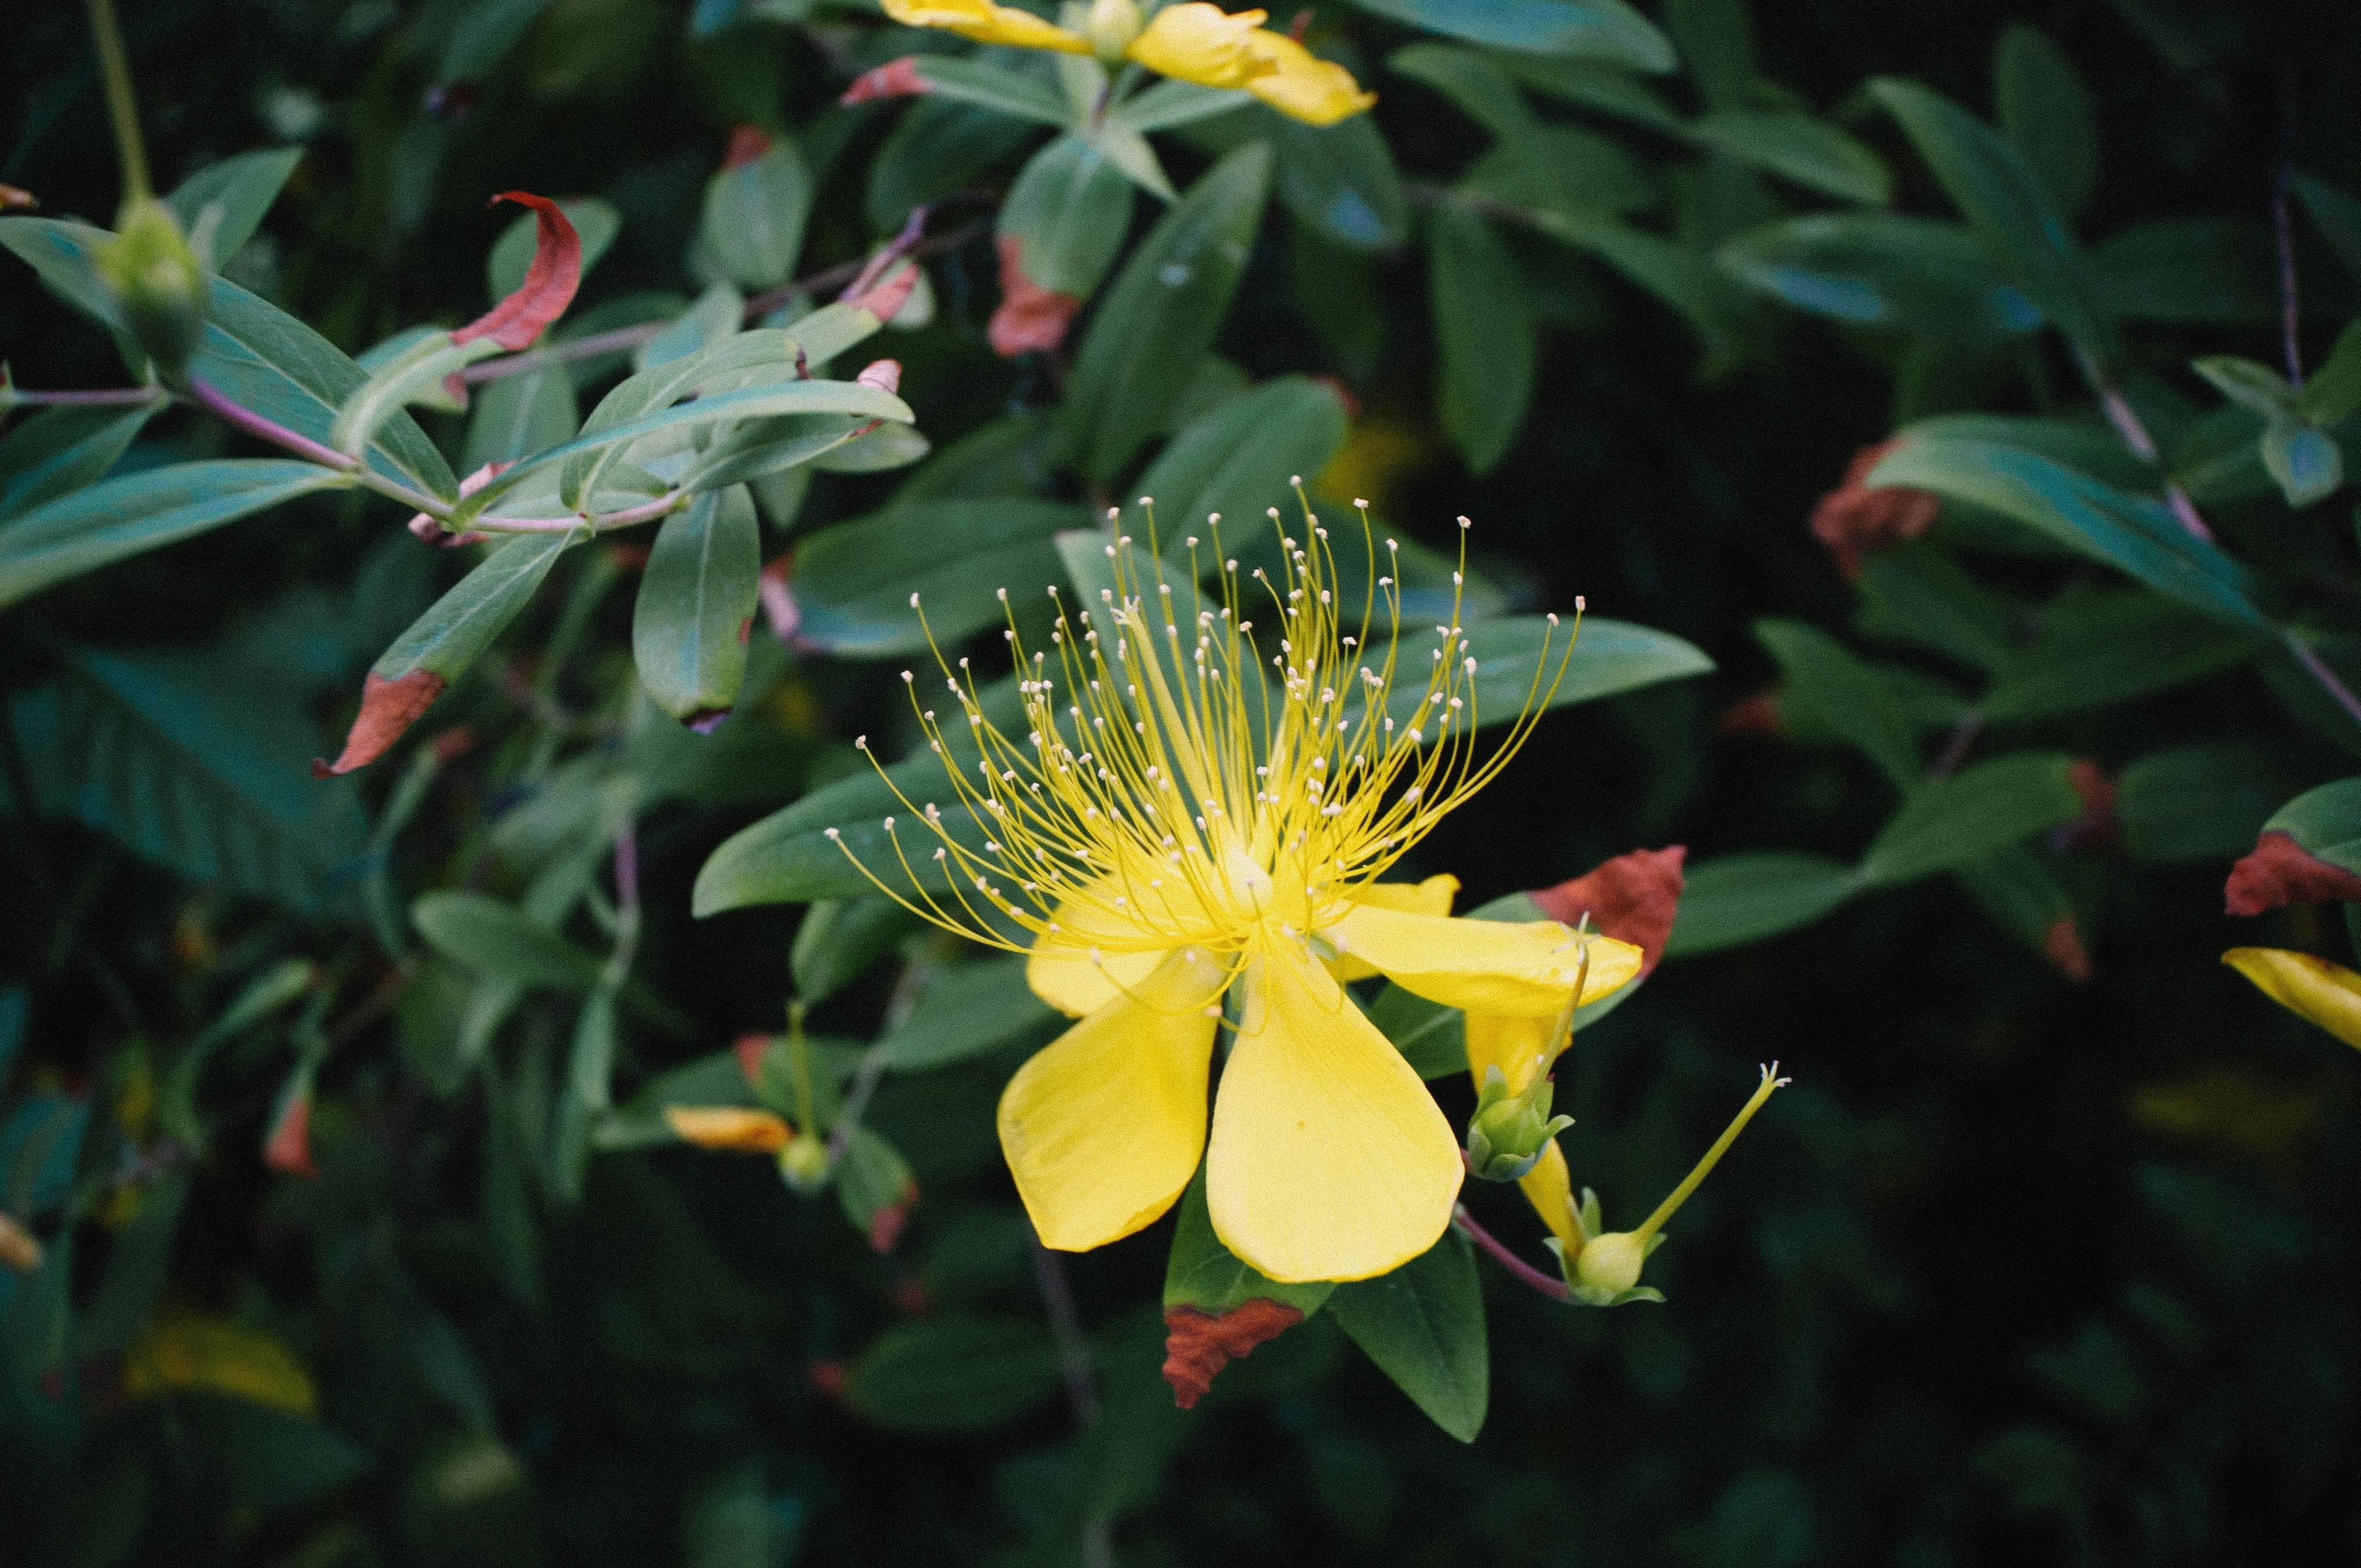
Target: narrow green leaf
1800,148
839,938
1423,1325
753,222
221,206
61,450
460,625
2206,801
965,1010
517,415
2046,114
2097,647
1880,269
482,934
1986,806
1840,693
1484,326
1069,213
2307,463
696,597
952,1373
2325,822
1605,30
1339,179
964,79
2335,214
2248,384
854,582
1744,898
1236,460
408,376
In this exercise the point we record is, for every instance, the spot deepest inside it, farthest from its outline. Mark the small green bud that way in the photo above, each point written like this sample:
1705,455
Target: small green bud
1111,27
1610,1264
803,1162
156,278
1509,1131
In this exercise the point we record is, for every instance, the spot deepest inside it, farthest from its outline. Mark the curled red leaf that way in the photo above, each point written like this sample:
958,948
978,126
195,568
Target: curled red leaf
2062,945
885,1221
549,283
886,297
894,79
1031,319
1853,519
1631,898
2281,871
1198,1344
749,1050
2098,827
827,1378
747,145
388,707
288,1149
1756,715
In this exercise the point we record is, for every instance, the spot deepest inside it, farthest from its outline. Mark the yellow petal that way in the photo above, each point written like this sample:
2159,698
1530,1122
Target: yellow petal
1302,86
1432,896
1062,969
2329,994
219,1355
1103,1126
737,1128
1484,966
1521,1048
1328,1160
1549,1191
986,23
1201,43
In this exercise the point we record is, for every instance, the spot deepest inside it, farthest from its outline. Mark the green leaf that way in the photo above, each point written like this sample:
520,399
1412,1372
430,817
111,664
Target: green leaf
1604,30
197,762
839,938
1484,327
1164,311
695,597
1423,1325
482,934
482,36
221,206
1689,282
1588,85
2134,533
1986,806
595,221
753,222
414,374
1573,174
1171,103
587,1092
965,80
1738,899
460,625
60,450
938,146
1835,692
2248,384
2096,647
2016,889
94,527
952,1373
1800,148
2334,213
2008,207
853,582
1236,460
1473,83
965,1010
2325,822
2046,114
1609,657
711,319
1339,179
2201,802
515,416
2198,268
1069,213
1916,593
62,252
2306,461
1202,1273
2331,394
874,1187
1880,269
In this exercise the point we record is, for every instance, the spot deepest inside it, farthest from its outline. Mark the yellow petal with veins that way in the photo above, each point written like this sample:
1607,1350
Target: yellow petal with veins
1302,86
2328,994
1432,896
1484,966
986,24
1103,1126
1203,44
1521,1048
1329,1158
737,1128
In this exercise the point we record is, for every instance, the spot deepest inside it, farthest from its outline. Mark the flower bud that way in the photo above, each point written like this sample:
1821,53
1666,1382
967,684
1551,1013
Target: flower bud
157,279
803,1162
1112,26
1509,1131
1610,1264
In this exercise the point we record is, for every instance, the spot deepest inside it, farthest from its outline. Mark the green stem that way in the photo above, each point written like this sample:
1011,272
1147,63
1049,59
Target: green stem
1704,1167
799,1071
114,67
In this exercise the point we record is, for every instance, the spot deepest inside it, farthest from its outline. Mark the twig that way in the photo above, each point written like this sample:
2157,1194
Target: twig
2282,171
115,68
102,396
1553,1288
234,412
2317,667
1074,1351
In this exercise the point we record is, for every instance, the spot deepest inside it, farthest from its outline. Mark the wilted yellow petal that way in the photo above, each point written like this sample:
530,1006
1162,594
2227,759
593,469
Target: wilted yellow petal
985,23
1203,44
20,1249
2329,994
1329,1158
1432,896
739,1128
1103,1126
218,1356
1302,86
1484,966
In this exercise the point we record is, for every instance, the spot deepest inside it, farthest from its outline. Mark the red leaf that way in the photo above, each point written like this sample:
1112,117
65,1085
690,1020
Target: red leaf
894,79
1631,898
549,283
1756,715
747,145
885,375
288,1150
2281,871
388,707
2062,944
1854,519
886,1222
1197,1345
1031,319
749,1050
778,600
886,298
2098,827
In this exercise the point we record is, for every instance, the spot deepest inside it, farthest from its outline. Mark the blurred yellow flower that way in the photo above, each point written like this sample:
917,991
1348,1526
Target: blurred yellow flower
2328,994
1174,823
217,1355
1189,42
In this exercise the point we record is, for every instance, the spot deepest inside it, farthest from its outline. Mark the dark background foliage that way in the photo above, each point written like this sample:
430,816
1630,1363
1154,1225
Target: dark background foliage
2022,1270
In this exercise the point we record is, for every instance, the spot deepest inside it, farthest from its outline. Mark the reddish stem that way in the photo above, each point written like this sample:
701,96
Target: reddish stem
268,430
104,396
1553,1288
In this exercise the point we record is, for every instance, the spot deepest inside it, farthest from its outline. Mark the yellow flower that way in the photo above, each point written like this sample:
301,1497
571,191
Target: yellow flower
1190,42
1187,816
1523,1048
2328,994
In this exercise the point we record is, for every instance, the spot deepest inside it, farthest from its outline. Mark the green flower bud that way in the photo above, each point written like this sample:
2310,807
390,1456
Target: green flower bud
803,1162
1113,25
1610,1264
1509,1131
157,279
